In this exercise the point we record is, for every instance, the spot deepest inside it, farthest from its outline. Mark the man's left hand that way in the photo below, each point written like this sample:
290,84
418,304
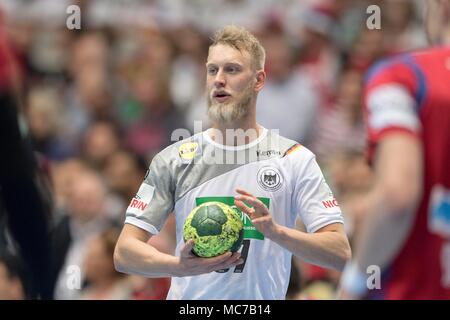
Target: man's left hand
259,214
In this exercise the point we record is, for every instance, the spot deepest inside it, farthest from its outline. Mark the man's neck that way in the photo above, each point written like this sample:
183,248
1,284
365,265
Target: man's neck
235,134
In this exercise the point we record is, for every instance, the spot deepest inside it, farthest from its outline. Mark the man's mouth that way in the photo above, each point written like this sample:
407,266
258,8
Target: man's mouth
221,96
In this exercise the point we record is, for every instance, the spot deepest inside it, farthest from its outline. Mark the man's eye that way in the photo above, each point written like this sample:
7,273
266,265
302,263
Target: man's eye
212,70
232,69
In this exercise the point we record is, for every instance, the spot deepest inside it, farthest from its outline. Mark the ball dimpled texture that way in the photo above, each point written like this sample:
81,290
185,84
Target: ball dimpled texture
215,228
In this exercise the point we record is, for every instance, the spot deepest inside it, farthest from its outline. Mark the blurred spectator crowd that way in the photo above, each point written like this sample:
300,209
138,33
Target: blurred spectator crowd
100,102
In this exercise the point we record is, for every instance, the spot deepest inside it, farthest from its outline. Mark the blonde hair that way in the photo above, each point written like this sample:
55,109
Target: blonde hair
242,40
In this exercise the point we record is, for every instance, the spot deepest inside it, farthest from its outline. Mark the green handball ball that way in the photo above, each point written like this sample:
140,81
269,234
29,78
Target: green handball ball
215,228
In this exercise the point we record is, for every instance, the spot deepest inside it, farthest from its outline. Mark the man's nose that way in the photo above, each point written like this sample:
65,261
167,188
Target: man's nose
219,80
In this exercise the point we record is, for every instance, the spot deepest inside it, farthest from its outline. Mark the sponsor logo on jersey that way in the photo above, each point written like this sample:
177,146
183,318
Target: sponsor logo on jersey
330,203
141,200
269,178
325,192
250,232
138,204
187,150
268,153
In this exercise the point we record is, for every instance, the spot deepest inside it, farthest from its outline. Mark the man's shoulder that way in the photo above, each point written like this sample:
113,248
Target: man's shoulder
286,146
274,145
405,66
276,141
292,153
184,150
431,53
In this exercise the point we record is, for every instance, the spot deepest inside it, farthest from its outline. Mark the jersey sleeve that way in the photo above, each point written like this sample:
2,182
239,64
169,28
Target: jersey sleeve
313,199
391,100
154,200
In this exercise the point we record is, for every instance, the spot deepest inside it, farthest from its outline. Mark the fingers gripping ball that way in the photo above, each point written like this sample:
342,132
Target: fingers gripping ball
215,228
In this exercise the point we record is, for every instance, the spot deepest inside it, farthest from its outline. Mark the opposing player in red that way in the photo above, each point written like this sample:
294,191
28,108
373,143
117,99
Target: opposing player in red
406,230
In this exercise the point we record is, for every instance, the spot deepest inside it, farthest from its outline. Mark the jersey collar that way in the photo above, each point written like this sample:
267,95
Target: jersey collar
207,137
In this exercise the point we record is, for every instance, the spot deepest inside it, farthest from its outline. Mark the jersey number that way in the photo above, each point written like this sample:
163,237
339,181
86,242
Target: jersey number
244,253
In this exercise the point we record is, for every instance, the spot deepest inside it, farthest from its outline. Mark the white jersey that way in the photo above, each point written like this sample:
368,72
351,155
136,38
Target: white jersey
280,172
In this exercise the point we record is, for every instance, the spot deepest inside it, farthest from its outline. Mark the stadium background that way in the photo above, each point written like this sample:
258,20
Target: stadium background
101,101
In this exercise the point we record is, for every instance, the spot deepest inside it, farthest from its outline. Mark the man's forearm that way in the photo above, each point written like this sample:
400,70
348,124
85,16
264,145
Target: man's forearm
389,209
383,232
391,204
327,249
136,257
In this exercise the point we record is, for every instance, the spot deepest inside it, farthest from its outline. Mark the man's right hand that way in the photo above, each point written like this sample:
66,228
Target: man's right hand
191,265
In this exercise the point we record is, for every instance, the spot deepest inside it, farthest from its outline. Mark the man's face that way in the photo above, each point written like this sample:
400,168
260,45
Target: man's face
230,84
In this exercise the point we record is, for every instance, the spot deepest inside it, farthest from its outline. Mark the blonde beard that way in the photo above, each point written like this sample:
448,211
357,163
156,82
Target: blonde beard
226,113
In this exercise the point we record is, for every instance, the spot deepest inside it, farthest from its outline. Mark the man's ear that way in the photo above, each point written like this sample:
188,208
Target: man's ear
260,80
